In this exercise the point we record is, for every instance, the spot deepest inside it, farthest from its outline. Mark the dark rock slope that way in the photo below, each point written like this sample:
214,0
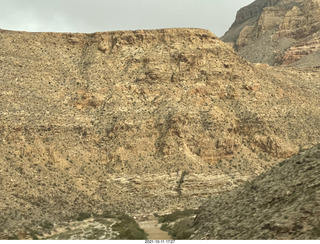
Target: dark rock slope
283,203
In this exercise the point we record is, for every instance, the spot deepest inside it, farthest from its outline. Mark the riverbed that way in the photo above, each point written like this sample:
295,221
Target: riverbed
152,228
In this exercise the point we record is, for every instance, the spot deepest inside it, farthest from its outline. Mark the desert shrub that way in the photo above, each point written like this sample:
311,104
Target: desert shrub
179,224
13,237
103,216
182,229
165,227
129,229
107,215
316,230
83,216
33,235
47,225
176,215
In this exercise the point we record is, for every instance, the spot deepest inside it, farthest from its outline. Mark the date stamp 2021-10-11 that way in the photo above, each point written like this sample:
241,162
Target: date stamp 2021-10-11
159,241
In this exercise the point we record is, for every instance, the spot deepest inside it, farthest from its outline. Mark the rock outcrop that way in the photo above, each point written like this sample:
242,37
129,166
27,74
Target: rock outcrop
139,121
283,203
300,51
277,32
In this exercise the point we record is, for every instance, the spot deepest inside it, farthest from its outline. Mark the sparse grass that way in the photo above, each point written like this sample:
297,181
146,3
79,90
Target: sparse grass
92,230
95,234
126,228
63,236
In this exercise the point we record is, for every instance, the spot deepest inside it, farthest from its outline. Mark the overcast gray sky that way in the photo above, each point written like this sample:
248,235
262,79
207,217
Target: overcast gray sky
107,15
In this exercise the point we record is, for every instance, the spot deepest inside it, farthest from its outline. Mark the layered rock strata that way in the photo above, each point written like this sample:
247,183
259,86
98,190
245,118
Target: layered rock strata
139,121
277,32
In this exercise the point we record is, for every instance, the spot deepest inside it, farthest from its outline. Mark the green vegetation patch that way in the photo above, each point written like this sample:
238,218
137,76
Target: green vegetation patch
182,229
83,216
316,230
176,215
179,224
129,229
92,226
13,237
47,225
33,233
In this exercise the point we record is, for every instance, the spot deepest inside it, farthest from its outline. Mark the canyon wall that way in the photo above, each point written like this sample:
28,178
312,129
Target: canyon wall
277,32
139,121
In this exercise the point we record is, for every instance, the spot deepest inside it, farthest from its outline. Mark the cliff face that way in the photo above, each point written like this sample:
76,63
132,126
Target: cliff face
247,16
277,31
301,51
139,121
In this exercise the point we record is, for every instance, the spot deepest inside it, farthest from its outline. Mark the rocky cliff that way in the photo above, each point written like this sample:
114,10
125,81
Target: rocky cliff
139,121
283,203
277,32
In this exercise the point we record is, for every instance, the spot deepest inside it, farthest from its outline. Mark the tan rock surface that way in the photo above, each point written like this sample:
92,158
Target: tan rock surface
277,32
139,121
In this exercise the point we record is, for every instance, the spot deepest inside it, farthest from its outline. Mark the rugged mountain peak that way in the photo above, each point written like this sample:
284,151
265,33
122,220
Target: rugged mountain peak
252,11
277,32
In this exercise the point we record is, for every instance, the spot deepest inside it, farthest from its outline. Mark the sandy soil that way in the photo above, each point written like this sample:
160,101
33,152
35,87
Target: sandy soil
153,230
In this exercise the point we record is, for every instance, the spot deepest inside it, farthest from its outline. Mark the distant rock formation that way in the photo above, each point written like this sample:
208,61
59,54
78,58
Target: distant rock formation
278,32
